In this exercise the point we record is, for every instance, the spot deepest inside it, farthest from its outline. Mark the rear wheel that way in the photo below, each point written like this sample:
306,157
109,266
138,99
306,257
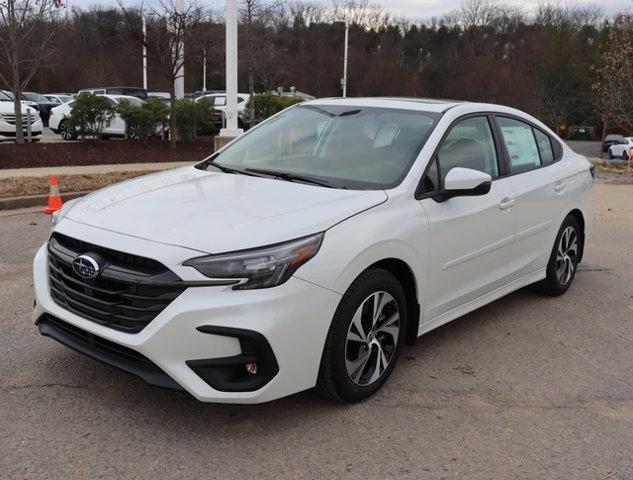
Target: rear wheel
625,155
563,261
66,131
365,338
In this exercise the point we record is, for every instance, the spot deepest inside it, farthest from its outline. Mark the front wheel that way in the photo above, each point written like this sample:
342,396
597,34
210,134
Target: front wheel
365,338
66,131
563,262
611,157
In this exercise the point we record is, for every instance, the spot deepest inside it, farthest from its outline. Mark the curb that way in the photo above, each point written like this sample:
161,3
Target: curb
34,200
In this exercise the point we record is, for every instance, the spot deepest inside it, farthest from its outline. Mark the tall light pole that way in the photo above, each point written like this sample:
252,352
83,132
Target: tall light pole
204,70
179,82
231,130
144,50
345,57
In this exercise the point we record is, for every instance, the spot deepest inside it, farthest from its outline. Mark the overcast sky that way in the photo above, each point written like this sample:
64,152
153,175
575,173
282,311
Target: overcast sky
415,9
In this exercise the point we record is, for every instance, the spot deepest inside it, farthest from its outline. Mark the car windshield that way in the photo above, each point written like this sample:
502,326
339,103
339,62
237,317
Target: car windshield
613,137
4,97
35,97
135,102
343,146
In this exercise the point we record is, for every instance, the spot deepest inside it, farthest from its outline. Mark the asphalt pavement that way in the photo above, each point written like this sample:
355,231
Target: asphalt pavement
529,387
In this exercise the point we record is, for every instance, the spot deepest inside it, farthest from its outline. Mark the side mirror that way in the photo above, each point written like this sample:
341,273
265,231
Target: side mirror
465,182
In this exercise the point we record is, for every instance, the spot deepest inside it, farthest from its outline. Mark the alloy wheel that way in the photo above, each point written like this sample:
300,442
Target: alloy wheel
372,338
65,131
567,255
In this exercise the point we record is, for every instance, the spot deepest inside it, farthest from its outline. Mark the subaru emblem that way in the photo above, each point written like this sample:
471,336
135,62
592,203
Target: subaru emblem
86,266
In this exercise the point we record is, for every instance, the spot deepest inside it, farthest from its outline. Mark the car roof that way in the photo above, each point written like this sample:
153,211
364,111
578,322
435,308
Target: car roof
405,103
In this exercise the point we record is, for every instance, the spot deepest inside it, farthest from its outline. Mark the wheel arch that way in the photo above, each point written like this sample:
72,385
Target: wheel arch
580,218
403,272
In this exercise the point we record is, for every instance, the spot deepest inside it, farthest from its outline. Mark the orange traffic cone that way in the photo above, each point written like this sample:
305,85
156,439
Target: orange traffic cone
54,200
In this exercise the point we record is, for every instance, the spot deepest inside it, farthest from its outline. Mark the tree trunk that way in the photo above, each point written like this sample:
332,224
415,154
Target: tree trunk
17,105
605,127
172,116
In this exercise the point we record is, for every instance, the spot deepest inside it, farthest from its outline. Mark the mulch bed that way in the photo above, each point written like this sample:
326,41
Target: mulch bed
106,152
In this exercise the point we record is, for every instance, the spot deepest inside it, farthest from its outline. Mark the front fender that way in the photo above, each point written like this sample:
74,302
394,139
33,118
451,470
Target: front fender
394,230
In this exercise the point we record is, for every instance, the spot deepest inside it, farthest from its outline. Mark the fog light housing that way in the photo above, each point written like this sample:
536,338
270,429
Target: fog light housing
249,371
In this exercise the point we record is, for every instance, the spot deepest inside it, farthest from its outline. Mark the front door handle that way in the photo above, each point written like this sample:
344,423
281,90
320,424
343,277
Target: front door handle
560,187
506,204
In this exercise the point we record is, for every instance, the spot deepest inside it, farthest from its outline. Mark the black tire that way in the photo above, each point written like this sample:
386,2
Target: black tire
553,285
611,157
66,132
333,380
625,156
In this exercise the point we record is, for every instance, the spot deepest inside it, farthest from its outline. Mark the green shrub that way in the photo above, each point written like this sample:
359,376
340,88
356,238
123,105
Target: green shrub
144,121
193,118
91,114
268,104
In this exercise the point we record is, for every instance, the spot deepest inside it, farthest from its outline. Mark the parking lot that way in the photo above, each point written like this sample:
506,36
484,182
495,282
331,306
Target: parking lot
527,387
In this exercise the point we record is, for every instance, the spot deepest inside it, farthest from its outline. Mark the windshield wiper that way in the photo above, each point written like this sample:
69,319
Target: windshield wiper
292,177
225,169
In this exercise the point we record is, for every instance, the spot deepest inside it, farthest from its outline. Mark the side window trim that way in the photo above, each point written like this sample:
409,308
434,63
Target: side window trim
498,144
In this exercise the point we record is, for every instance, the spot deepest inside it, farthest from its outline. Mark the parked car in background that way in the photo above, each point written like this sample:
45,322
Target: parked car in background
43,103
621,149
166,95
310,250
58,122
7,119
218,100
611,139
58,98
200,93
130,91
23,100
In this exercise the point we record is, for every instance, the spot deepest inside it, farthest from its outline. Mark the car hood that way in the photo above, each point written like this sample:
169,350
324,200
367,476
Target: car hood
7,108
217,212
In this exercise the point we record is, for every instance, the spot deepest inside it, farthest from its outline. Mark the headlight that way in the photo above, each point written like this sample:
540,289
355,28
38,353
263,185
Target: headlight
261,267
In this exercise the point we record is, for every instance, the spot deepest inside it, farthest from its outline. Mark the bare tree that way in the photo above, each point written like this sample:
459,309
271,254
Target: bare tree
362,13
568,14
172,40
478,13
305,13
26,31
256,13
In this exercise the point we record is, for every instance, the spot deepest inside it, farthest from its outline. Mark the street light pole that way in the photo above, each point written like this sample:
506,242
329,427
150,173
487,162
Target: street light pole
345,59
204,70
231,130
144,50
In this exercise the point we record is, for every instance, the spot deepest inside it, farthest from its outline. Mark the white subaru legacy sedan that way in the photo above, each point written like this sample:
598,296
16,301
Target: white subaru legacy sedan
309,250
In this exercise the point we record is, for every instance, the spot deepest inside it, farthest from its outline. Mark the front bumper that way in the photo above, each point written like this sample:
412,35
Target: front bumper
8,130
293,318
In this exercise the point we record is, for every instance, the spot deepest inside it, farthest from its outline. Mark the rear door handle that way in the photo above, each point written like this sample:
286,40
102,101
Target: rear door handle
506,204
560,187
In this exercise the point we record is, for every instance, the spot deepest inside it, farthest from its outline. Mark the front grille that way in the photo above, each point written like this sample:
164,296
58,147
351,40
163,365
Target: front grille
104,350
128,294
10,119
